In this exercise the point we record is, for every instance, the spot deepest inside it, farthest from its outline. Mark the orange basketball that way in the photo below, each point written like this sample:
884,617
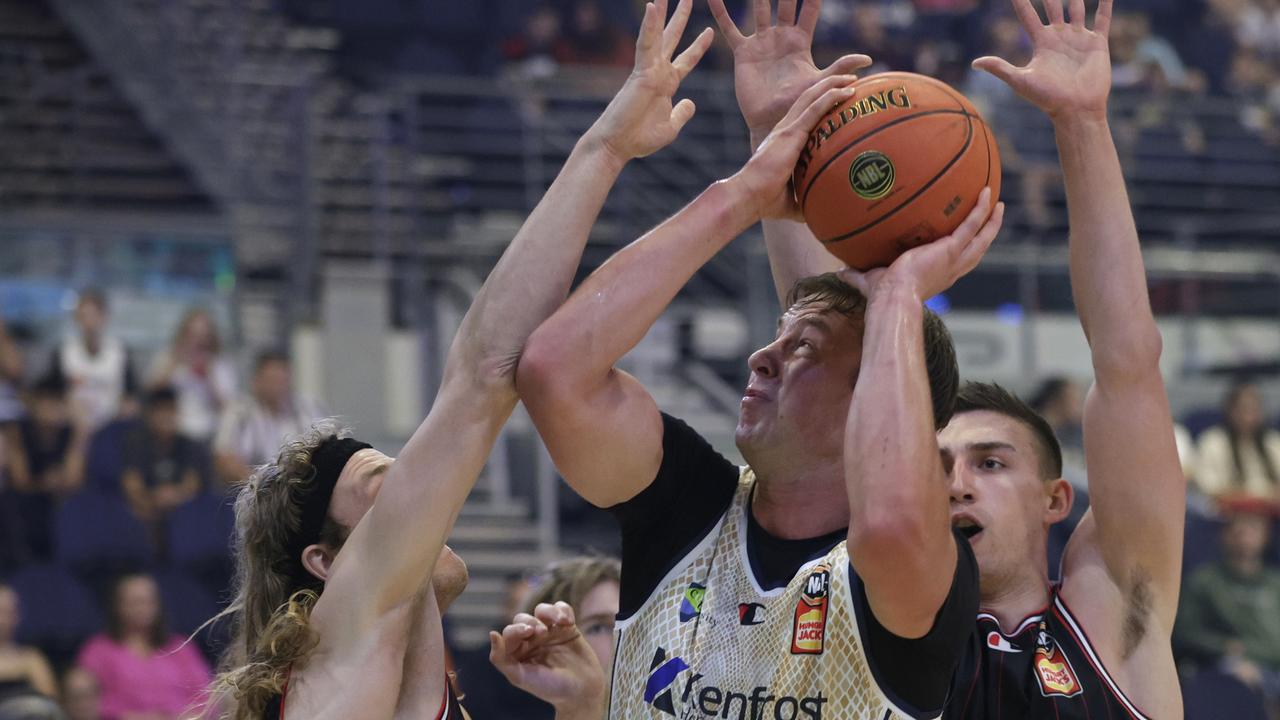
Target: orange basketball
898,165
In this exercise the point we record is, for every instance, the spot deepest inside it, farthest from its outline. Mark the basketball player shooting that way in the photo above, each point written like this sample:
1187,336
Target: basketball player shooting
1097,643
343,572
824,580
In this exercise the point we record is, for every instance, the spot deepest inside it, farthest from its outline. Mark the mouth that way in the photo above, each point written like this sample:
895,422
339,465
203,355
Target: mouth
967,527
754,394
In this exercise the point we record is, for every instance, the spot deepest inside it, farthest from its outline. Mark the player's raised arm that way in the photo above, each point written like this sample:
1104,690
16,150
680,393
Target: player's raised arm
424,490
771,67
900,539
1136,487
601,426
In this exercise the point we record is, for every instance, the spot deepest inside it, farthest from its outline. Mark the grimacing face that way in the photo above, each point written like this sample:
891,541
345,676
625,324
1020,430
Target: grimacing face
998,494
353,495
801,384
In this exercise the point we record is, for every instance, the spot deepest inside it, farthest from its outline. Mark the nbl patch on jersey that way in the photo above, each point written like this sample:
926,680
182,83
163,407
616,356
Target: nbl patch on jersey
810,625
1053,669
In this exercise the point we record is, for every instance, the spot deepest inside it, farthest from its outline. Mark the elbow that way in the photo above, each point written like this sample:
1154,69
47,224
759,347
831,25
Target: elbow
1137,355
884,538
541,372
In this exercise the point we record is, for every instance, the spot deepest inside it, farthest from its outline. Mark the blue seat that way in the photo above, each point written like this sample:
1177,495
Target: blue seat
199,539
97,537
1211,695
189,605
58,611
104,456
1200,543
1197,421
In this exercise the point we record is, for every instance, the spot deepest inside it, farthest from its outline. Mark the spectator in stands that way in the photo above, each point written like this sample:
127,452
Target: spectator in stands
865,28
23,670
11,369
1060,401
45,461
593,40
1211,47
142,669
253,428
1255,82
1145,61
1242,456
591,586
1229,616
203,376
95,365
541,47
163,468
81,697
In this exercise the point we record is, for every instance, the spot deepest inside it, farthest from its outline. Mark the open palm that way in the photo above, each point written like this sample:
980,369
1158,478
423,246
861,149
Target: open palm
773,66
1070,70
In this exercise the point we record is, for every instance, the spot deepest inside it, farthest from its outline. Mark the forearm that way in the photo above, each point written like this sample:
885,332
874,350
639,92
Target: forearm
533,276
1108,279
613,309
891,454
794,253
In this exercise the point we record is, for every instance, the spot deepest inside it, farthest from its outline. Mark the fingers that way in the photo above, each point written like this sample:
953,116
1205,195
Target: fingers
686,61
1102,18
973,221
809,16
982,242
650,35
787,12
675,28
996,66
808,99
858,280
1029,18
557,615
1077,13
1053,9
763,14
847,65
725,22
681,114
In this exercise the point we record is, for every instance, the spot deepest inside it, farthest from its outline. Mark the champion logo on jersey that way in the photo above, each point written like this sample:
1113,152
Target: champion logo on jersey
810,627
662,675
750,613
1053,670
996,641
691,605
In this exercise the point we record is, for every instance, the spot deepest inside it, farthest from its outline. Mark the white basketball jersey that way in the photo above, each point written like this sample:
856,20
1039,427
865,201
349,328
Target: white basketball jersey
711,643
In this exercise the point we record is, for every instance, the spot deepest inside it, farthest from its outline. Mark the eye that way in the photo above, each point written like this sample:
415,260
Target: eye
992,464
598,628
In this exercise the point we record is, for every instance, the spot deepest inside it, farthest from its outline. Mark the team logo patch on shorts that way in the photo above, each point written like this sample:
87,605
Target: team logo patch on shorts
1053,669
691,605
810,625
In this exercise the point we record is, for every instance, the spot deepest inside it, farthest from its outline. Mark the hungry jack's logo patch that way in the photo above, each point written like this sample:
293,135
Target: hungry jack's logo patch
810,626
1053,669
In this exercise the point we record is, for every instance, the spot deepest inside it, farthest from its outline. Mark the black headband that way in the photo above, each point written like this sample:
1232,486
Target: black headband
327,460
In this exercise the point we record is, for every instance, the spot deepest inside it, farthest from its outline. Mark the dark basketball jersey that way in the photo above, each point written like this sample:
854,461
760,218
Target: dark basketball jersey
1044,668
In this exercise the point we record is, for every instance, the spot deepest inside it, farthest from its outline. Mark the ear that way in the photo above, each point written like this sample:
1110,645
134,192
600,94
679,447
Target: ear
1059,496
317,559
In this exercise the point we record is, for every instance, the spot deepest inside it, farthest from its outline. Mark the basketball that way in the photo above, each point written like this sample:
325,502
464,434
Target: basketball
898,165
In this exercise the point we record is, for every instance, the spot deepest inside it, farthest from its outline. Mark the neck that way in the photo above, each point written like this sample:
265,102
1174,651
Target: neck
800,501
1016,598
1245,567
92,343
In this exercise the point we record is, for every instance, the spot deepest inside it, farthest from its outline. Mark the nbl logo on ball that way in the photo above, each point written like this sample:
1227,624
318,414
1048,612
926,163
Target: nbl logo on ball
871,175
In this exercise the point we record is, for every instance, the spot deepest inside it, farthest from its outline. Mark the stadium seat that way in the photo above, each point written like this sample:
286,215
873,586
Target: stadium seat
104,458
58,611
1200,542
98,537
199,539
1212,695
1197,421
189,604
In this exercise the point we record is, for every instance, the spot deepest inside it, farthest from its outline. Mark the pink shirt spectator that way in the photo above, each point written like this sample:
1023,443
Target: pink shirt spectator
171,681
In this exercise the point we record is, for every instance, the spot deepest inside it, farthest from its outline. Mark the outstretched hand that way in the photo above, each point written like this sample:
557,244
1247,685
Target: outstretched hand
773,66
641,119
545,655
1070,70
934,267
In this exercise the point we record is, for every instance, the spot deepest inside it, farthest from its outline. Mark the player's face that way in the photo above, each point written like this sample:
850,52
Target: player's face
801,384
998,494
595,615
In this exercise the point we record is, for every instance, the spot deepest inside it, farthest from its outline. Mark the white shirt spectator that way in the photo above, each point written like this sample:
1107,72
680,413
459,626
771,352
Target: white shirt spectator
253,433
199,408
97,382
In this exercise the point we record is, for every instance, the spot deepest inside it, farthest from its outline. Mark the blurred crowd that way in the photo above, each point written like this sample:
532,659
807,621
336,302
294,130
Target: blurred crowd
1188,49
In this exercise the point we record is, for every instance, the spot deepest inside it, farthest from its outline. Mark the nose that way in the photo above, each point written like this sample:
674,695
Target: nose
764,362
958,485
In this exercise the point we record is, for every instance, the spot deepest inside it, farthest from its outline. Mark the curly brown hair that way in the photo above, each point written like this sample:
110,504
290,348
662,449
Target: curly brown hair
271,610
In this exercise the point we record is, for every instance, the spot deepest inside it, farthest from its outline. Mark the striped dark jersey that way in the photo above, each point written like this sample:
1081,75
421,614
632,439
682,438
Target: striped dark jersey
1044,668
